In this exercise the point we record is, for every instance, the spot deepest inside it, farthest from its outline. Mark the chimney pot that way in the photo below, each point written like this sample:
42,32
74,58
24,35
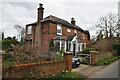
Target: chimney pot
72,21
41,5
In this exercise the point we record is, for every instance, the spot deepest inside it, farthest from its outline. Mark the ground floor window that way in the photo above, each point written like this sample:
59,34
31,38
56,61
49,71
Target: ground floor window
61,45
57,44
79,47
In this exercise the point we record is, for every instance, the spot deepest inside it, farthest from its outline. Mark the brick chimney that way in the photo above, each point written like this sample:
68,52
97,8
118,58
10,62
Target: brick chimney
72,21
40,12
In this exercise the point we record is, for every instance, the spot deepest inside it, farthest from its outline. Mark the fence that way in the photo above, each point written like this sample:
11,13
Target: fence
39,70
95,56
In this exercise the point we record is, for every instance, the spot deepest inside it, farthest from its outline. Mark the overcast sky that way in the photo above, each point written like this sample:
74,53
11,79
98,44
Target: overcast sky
85,12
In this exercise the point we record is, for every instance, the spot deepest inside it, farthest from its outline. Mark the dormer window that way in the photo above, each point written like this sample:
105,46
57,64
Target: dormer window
29,30
59,29
83,36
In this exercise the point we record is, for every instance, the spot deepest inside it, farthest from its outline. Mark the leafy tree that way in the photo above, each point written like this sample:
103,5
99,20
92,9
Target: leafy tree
107,26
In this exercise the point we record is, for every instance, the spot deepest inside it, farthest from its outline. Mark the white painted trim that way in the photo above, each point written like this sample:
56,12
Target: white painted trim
65,46
60,44
81,46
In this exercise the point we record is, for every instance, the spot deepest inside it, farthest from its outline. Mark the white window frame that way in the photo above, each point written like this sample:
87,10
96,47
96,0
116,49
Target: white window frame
29,31
59,27
68,30
83,35
84,45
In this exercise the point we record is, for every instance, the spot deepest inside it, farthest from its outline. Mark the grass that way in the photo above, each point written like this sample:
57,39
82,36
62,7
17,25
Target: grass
106,61
68,75
7,63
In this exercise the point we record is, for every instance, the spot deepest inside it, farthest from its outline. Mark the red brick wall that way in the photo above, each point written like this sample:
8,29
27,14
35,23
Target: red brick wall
1,66
49,31
35,70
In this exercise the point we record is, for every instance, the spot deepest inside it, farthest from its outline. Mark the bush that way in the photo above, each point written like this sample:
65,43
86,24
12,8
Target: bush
86,51
106,61
7,43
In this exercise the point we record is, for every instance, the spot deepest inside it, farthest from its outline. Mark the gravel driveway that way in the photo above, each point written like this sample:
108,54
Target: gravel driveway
87,70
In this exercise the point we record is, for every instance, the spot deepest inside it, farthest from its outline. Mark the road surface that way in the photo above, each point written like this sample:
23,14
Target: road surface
111,71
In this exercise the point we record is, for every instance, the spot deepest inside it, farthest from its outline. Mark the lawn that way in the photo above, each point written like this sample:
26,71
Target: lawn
7,63
68,75
106,61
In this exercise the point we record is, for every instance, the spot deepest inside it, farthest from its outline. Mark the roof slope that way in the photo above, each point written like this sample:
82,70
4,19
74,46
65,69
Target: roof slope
60,21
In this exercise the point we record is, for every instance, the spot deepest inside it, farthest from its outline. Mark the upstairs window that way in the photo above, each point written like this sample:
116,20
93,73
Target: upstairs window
59,29
83,36
68,30
29,30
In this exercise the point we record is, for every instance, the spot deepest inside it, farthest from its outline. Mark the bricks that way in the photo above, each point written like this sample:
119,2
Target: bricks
34,70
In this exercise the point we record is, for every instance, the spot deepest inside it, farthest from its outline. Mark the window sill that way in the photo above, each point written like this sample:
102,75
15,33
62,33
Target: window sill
59,33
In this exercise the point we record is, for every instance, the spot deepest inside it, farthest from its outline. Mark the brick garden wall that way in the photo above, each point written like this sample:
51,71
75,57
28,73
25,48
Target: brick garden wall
0,66
37,70
95,56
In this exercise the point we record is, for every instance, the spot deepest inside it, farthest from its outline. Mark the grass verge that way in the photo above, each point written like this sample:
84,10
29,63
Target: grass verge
106,61
68,75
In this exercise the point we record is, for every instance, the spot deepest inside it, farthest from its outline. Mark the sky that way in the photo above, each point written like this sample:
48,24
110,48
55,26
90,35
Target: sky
85,12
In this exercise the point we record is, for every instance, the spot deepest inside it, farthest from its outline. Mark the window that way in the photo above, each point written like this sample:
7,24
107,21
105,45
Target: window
83,36
29,30
63,45
68,30
79,47
57,44
75,31
69,46
84,45
59,29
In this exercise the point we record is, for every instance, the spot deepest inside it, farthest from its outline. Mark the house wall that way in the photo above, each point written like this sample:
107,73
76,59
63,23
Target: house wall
49,31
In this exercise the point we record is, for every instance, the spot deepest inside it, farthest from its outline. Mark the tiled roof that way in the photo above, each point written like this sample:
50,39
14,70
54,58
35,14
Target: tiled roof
59,38
60,21
70,38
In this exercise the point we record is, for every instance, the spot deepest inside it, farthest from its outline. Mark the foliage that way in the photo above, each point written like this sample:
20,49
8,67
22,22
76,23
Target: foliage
104,45
117,47
7,43
52,47
62,51
106,61
68,75
7,63
86,50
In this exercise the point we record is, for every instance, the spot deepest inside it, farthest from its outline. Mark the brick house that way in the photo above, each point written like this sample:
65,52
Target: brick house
66,36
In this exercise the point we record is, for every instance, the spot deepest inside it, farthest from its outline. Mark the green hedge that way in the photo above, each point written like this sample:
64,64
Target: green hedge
7,43
86,51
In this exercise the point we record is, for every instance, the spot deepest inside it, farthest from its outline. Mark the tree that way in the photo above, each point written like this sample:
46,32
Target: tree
2,35
22,34
19,30
107,26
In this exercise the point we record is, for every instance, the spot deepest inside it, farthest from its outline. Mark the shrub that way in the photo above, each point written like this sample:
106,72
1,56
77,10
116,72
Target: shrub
86,51
7,43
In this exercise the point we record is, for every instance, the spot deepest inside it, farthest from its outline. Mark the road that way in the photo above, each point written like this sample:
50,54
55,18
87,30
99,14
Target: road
111,71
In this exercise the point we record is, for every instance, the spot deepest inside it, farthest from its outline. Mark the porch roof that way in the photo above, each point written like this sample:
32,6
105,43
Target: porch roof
59,38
